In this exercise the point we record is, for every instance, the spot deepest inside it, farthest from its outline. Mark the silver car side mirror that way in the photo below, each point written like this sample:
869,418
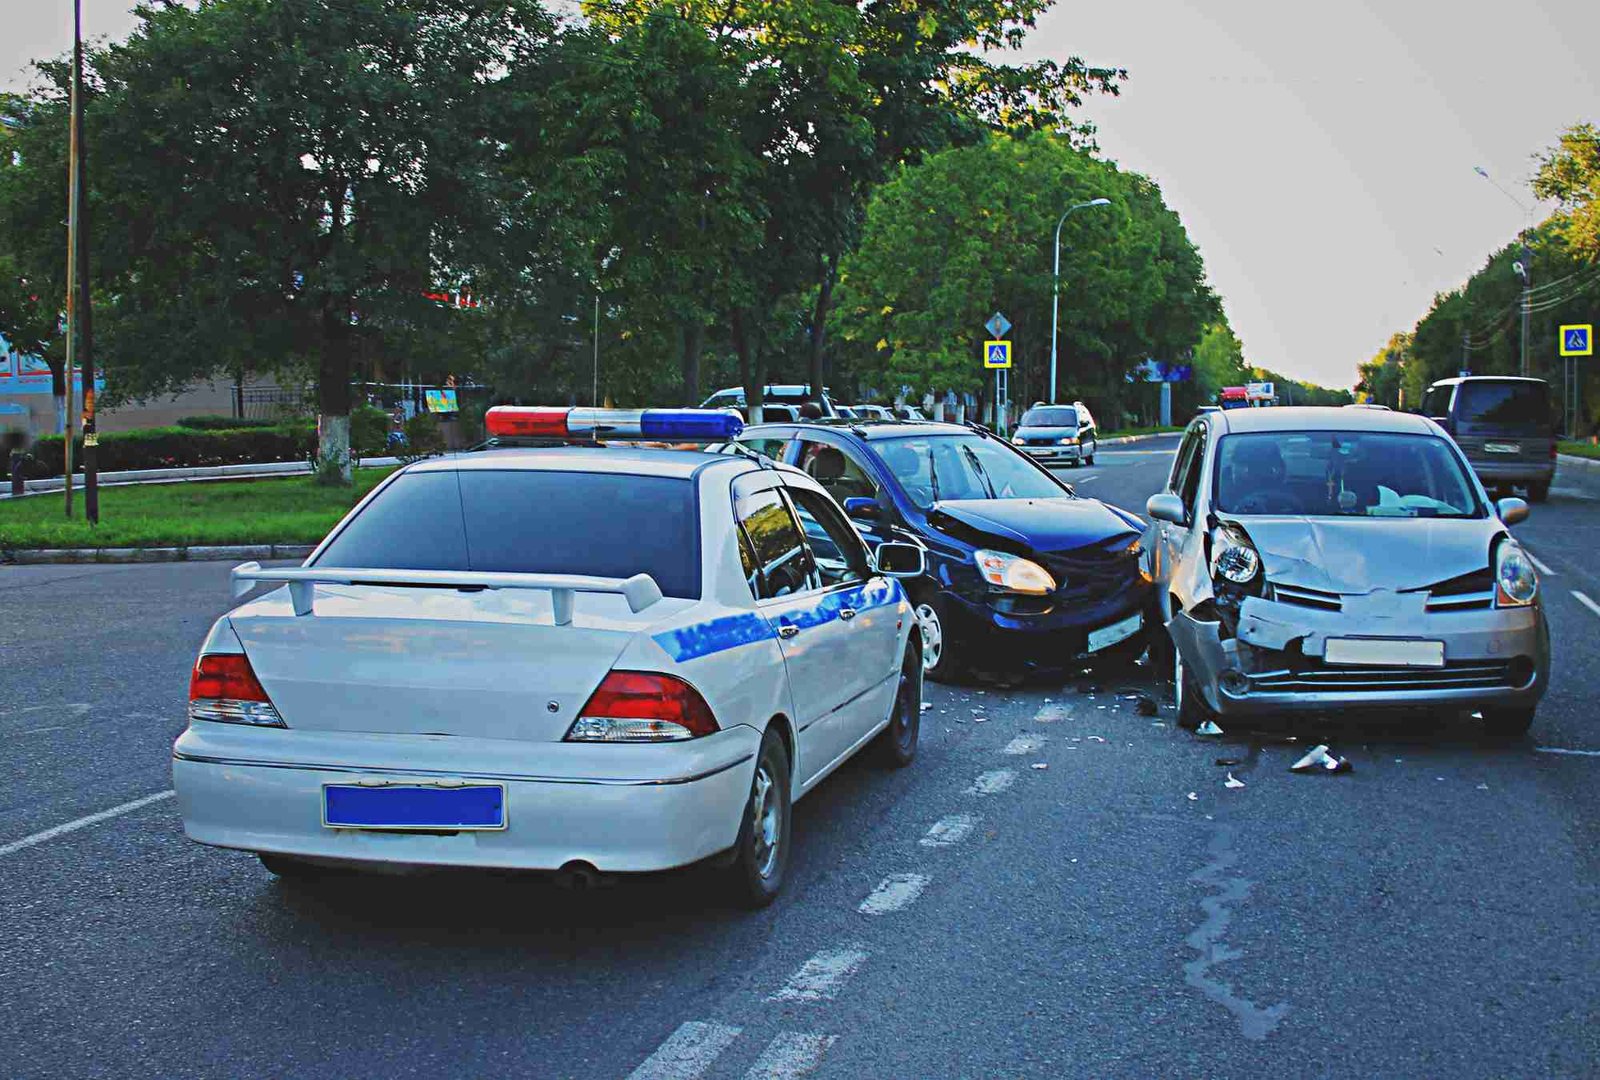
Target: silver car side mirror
1511,510
899,560
1166,507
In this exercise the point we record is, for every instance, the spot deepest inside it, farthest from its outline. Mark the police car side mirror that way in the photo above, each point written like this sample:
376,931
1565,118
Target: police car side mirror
900,560
861,508
1165,507
1511,510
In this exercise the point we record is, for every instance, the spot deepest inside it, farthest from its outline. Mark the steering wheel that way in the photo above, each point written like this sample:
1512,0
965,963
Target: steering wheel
1262,502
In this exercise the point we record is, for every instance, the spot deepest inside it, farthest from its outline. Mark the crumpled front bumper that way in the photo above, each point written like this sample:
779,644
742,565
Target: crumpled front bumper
1494,658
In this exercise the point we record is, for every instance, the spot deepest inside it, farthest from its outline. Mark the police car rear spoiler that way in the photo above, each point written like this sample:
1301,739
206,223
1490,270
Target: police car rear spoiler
640,590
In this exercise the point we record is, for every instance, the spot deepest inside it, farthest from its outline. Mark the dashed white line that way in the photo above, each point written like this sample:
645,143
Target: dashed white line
992,782
1565,751
687,1053
791,1054
83,822
821,977
951,830
1082,479
1023,744
1538,564
1586,602
893,893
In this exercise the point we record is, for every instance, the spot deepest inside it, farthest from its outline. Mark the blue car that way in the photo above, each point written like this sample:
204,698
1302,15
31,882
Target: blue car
1021,572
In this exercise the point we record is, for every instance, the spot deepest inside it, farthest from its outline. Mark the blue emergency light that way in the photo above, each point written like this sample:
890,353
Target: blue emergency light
685,425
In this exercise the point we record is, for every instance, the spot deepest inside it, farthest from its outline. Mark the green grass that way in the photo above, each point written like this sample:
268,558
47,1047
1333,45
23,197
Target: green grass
1140,431
1579,449
292,510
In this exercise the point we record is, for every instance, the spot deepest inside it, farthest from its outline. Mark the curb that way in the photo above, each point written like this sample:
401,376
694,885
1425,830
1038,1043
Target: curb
198,472
1572,461
196,553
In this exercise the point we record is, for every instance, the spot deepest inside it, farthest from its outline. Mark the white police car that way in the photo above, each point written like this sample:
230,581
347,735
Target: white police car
578,659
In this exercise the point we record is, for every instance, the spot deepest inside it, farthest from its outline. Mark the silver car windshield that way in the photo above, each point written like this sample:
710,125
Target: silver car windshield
932,468
1342,474
1059,416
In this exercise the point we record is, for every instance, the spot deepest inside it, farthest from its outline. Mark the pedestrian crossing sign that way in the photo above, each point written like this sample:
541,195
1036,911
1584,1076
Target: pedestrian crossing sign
1577,339
997,354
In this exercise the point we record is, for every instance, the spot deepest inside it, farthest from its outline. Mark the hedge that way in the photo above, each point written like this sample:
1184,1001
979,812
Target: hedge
176,447
225,423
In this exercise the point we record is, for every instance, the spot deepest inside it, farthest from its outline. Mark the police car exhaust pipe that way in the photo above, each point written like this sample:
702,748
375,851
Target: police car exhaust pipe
579,876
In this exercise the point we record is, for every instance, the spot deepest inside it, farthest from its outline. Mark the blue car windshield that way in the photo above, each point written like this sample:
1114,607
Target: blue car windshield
935,468
1342,474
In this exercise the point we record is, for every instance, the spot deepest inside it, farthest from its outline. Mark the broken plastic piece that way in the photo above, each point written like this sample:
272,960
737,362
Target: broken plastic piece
1232,783
1318,759
1095,738
1041,765
926,705
1193,797
1208,728
1228,761
980,719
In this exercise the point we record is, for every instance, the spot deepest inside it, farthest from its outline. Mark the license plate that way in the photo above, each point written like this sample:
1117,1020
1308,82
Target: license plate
414,806
1502,448
1107,636
1384,652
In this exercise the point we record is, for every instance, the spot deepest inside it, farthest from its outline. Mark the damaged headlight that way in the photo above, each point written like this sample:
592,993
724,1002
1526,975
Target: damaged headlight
1233,556
1014,573
1515,581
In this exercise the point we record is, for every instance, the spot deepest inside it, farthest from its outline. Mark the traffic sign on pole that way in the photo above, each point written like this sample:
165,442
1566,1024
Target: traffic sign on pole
1577,339
997,325
997,354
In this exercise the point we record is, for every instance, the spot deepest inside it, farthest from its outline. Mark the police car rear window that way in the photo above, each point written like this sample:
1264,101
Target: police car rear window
524,521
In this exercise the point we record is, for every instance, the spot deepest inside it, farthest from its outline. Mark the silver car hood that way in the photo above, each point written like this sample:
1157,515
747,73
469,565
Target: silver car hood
1361,555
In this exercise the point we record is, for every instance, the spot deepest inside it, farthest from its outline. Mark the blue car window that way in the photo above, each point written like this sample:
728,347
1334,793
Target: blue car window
935,468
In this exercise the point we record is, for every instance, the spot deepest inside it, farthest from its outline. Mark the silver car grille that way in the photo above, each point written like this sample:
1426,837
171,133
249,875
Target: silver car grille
1301,596
1465,675
1469,592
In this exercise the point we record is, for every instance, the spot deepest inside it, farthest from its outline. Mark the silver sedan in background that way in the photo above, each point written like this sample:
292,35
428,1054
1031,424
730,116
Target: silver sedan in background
1310,559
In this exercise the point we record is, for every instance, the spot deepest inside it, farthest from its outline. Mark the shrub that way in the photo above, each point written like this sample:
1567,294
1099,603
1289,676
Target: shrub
177,447
369,431
224,423
423,438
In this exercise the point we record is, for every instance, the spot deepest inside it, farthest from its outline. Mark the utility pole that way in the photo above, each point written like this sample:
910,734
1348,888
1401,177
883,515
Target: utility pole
1055,290
1525,268
80,246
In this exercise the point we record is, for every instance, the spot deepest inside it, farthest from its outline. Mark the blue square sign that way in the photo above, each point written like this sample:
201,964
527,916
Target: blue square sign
1577,339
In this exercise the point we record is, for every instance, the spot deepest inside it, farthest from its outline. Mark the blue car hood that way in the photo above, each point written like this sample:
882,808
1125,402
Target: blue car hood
1040,524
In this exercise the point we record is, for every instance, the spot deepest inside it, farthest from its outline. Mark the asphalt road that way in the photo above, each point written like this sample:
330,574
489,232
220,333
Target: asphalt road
1431,913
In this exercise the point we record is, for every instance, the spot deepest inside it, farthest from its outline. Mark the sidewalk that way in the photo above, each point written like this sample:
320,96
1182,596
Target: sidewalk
178,476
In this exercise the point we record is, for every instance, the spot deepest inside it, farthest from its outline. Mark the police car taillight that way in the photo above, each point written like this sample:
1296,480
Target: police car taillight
223,688
642,706
688,425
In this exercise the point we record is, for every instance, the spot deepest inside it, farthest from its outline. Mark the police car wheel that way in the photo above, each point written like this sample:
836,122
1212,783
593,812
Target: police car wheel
897,745
761,854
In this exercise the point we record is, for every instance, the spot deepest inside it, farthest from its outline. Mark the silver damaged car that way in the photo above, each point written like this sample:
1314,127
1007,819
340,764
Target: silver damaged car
1310,559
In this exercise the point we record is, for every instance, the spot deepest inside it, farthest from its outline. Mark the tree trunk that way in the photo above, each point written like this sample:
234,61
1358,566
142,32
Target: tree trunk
694,343
333,396
819,324
752,372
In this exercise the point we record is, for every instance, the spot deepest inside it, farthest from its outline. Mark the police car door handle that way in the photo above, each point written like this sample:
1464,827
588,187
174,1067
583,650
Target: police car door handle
788,630
847,613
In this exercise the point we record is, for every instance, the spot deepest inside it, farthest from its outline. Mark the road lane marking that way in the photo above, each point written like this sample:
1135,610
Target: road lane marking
83,822
791,1054
820,978
1083,479
992,782
687,1053
948,831
1538,564
1565,751
1586,602
893,893
1023,744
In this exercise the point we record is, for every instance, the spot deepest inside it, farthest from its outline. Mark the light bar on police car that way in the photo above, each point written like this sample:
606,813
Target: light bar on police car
511,421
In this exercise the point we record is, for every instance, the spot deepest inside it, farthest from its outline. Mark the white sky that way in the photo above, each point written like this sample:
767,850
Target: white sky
1321,155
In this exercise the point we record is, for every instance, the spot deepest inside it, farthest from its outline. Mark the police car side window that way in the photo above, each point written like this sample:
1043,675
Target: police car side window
782,565
836,550
837,470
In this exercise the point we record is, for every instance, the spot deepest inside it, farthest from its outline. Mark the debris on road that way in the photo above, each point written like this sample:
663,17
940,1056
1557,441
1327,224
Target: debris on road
1193,797
926,705
1147,706
1228,761
1041,765
1095,738
1089,688
1318,759
980,719
1208,728
1232,783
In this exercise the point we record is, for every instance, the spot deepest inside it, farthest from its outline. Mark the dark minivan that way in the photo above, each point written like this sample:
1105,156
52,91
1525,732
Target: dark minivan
1502,423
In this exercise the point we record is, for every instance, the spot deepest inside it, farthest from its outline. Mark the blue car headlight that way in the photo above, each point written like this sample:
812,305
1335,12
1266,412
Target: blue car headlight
1013,573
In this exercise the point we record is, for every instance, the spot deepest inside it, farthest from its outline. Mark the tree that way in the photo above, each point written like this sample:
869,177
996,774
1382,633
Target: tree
1218,362
1380,378
971,230
1570,174
278,182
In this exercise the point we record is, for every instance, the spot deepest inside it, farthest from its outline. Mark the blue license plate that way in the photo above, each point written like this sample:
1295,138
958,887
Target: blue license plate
413,806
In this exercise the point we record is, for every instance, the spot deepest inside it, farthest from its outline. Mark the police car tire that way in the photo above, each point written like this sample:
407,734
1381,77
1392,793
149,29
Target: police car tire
896,746
751,885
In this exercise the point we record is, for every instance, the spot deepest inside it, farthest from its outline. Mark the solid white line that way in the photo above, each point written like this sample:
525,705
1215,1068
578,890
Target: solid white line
1023,744
1586,602
950,830
687,1053
1538,564
1081,479
83,822
893,893
1569,753
792,1053
820,977
993,782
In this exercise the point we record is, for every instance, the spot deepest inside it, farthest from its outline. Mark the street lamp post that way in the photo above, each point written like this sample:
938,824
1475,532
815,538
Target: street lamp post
1055,288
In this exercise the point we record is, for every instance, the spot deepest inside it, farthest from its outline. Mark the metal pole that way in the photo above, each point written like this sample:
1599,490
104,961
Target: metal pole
1527,300
72,256
91,473
594,396
1055,307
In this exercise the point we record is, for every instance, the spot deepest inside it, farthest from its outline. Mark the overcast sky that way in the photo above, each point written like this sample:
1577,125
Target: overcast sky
1320,154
